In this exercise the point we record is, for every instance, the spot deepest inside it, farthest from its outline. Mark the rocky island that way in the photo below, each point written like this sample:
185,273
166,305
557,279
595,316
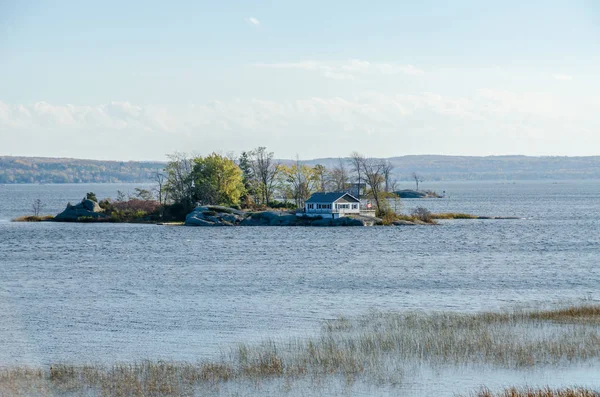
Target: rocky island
140,211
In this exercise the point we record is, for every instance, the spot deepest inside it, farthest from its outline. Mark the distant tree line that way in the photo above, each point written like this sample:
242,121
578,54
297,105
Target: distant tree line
430,167
50,170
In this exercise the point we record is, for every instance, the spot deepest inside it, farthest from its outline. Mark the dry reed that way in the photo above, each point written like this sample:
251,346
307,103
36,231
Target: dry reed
375,347
33,218
543,392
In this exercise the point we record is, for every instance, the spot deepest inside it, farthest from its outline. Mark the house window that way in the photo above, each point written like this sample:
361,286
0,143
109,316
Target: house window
311,206
354,206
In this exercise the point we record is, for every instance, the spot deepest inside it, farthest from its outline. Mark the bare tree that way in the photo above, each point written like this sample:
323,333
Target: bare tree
180,182
265,171
121,196
374,178
143,194
160,178
357,163
37,207
320,173
423,214
418,179
338,176
387,174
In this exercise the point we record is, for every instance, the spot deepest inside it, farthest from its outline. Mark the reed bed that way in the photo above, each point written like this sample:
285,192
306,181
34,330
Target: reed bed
543,392
33,218
375,348
453,215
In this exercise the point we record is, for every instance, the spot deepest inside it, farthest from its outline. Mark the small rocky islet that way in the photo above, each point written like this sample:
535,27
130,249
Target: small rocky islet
215,215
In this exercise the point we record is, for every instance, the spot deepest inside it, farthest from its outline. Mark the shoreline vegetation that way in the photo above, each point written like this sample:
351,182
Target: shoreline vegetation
257,190
139,211
33,218
379,348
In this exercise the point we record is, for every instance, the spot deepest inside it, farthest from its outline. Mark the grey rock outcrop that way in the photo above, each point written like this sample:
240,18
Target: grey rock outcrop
353,220
214,215
270,218
86,209
403,223
409,193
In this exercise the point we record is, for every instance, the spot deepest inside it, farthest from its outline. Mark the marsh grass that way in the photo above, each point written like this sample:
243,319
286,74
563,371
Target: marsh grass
33,218
584,313
453,215
425,217
543,392
375,348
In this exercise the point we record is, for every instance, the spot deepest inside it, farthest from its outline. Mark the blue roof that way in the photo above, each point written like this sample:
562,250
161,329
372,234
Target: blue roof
329,197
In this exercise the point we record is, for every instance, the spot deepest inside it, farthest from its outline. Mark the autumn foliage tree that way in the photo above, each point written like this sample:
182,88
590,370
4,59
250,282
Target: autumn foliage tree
300,181
217,180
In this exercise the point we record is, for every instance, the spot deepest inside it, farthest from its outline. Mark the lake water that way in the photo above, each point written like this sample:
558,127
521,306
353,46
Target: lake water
106,292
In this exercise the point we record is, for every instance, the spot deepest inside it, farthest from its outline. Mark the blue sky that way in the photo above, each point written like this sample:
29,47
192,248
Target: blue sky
319,79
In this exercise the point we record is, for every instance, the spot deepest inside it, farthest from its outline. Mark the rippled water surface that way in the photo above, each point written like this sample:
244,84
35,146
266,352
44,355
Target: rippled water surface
105,292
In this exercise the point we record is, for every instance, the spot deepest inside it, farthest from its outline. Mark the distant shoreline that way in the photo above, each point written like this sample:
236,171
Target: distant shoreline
47,170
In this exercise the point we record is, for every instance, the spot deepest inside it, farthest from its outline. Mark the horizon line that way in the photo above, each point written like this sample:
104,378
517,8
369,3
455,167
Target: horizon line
304,160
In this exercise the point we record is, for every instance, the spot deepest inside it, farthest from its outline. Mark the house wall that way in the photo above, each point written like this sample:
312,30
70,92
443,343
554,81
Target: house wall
334,211
317,210
347,210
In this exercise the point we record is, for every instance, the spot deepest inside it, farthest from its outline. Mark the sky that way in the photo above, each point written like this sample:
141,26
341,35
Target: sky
138,80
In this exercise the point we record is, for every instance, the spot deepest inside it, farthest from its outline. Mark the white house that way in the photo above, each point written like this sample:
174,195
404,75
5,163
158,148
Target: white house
330,205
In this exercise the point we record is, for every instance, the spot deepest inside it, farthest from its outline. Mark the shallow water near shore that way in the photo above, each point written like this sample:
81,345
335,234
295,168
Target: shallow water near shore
82,293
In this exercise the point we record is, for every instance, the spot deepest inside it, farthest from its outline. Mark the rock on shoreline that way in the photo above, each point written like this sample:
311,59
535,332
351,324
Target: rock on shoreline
214,215
86,209
410,194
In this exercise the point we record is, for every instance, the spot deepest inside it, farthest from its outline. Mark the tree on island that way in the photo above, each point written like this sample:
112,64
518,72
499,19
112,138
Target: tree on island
265,170
417,178
91,196
143,194
356,162
249,179
217,180
390,185
339,176
180,182
375,180
299,181
37,207
320,175
160,178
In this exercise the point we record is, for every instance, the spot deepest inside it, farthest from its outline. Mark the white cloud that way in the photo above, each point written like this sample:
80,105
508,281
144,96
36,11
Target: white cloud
338,76
559,76
488,121
347,70
253,21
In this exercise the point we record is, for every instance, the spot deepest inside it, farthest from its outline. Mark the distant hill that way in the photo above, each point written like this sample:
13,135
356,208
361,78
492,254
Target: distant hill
437,167
430,167
64,170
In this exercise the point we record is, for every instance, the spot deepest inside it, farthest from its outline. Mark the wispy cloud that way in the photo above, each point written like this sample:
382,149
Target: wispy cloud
253,21
347,70
400,120
564,77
